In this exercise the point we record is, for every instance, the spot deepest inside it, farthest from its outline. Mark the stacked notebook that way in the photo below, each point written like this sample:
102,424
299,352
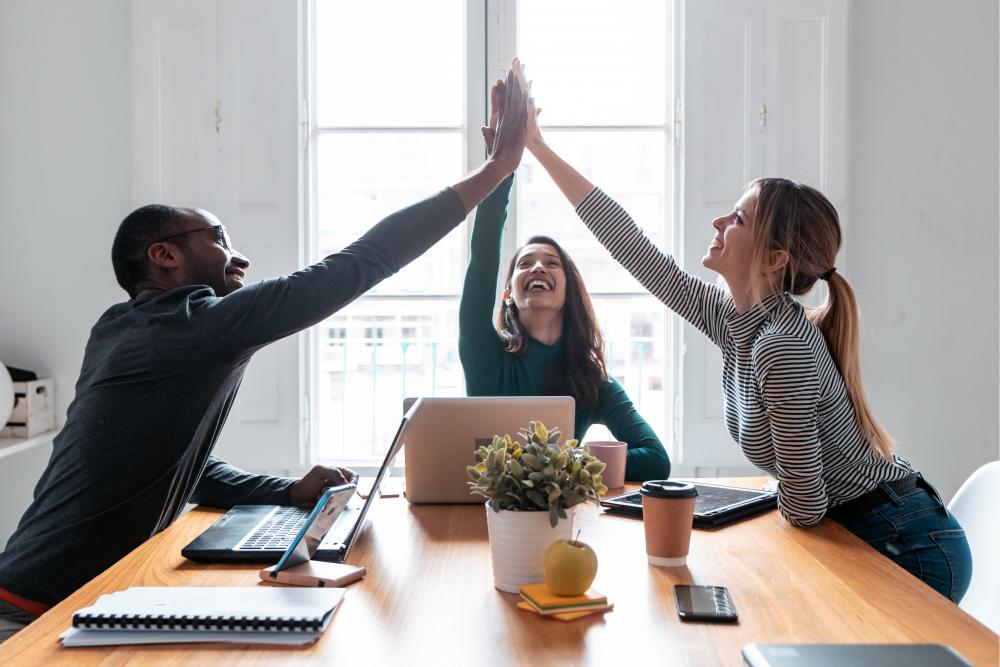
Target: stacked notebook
537,598
245,615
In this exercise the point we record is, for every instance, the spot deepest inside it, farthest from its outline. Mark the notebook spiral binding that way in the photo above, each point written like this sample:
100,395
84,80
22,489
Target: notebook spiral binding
194,622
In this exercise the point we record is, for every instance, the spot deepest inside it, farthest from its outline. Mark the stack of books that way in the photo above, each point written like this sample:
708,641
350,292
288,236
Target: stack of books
538,599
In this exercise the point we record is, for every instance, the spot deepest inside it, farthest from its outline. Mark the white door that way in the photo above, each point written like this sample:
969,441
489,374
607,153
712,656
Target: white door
216,126
764,94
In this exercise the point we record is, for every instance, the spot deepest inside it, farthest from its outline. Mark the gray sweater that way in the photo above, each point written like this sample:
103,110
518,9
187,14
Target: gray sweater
158,379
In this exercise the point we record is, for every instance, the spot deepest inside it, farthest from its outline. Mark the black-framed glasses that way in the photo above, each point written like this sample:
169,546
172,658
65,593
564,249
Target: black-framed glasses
218,230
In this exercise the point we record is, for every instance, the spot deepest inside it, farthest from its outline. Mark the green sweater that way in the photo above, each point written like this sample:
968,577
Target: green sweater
490,370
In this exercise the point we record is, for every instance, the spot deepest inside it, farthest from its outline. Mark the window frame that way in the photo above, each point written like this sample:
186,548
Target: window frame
490,42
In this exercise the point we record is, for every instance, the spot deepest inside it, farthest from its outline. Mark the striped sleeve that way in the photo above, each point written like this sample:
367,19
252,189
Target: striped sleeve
700,303
789,385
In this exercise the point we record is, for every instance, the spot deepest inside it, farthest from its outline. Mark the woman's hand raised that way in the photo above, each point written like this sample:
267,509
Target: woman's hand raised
534,133
511,123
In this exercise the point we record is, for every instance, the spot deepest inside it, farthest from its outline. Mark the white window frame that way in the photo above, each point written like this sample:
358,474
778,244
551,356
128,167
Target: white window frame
489,51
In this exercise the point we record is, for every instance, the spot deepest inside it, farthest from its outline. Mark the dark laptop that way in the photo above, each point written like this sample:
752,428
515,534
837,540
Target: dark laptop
262,533
852,655
715,506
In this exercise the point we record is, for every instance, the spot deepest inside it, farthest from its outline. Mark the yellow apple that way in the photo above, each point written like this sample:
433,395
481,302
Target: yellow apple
570,567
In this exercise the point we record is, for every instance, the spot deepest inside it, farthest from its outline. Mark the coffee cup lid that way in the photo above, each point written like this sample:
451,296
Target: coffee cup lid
668,489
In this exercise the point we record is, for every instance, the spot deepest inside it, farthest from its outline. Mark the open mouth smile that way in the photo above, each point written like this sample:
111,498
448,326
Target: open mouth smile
537,285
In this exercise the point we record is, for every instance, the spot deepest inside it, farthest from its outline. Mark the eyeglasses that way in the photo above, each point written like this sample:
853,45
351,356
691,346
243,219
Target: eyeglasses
218,230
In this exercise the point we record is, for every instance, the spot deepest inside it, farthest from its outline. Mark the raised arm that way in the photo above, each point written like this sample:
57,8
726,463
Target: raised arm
700,303
264,312
479,346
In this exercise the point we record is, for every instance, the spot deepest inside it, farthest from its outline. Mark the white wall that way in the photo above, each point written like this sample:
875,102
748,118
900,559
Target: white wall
65,177
65,184
924,224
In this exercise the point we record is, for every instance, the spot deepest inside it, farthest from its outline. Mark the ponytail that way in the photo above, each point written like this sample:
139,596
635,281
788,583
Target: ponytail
838,320
798,219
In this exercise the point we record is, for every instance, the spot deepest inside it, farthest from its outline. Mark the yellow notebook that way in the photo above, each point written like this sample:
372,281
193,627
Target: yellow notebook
546,602
564,616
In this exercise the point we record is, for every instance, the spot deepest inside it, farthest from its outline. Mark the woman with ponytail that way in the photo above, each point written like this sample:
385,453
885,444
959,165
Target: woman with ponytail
794,397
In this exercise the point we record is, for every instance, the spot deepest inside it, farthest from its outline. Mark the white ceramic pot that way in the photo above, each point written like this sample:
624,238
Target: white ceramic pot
6,395
518,541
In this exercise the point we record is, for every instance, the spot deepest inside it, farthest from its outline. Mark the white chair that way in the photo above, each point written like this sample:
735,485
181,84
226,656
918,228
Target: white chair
975,506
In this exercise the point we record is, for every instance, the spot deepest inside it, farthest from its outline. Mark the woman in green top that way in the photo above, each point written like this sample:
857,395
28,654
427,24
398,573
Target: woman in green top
546,340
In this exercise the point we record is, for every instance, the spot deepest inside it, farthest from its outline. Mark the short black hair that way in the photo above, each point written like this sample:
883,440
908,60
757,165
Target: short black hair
140,229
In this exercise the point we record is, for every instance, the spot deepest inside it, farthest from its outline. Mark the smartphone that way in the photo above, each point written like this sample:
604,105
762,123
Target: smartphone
705,603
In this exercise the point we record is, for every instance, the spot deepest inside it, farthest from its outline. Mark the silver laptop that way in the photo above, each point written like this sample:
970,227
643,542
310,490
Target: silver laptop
443,433
852,655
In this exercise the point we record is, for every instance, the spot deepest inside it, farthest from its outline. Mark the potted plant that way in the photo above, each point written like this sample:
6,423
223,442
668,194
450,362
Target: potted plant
531,489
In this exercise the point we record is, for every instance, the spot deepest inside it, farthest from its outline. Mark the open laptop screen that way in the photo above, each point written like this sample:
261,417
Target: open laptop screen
389,456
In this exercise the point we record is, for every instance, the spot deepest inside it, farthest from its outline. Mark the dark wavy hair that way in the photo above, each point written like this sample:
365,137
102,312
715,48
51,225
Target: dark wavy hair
579,369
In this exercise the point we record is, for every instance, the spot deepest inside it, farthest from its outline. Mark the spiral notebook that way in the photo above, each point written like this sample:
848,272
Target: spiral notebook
167,615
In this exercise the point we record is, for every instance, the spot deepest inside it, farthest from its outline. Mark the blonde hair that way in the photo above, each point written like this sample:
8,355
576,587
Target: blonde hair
799,220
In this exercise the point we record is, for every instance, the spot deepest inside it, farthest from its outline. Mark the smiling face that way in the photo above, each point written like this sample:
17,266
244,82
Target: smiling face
731,251
539,280
209,256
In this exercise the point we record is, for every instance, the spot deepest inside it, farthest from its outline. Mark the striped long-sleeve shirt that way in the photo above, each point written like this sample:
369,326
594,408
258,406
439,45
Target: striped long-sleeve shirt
785,401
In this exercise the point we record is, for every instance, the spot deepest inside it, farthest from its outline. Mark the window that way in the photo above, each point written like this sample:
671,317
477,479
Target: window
395,117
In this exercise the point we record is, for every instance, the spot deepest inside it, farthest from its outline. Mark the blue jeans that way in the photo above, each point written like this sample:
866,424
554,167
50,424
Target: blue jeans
916,531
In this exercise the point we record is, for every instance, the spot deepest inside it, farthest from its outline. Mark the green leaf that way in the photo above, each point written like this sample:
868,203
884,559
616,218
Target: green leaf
537,498
532,461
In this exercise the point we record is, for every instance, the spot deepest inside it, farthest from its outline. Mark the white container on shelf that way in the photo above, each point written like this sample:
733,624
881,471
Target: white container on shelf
34,410
6,394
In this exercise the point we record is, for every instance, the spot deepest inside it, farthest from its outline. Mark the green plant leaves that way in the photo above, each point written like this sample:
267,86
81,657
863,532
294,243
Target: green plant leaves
536,475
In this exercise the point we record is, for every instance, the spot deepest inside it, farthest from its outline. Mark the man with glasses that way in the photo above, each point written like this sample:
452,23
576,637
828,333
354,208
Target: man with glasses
161,371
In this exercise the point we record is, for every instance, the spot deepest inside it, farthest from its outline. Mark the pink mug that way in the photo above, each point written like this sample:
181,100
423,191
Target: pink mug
613,455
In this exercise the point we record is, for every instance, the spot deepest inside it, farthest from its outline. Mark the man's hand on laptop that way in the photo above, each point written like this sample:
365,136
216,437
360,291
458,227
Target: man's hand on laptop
306,491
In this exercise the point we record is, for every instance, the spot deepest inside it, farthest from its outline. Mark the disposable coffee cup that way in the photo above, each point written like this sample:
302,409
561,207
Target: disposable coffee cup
667,516
613,455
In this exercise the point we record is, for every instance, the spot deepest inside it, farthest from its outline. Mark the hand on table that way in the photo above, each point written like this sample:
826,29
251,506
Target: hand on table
307,490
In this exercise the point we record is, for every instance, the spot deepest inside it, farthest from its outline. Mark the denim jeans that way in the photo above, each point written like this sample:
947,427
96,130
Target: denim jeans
916,531
12,620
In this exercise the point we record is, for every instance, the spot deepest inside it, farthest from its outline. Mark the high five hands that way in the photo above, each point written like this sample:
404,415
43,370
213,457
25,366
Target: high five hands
507,131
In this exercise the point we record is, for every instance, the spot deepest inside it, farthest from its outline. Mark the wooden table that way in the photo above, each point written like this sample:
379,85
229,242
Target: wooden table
429,599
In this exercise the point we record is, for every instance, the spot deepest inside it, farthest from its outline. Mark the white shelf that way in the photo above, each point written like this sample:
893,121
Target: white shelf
11,446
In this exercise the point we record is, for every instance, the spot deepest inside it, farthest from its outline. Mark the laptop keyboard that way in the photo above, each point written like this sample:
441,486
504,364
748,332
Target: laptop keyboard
276,531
